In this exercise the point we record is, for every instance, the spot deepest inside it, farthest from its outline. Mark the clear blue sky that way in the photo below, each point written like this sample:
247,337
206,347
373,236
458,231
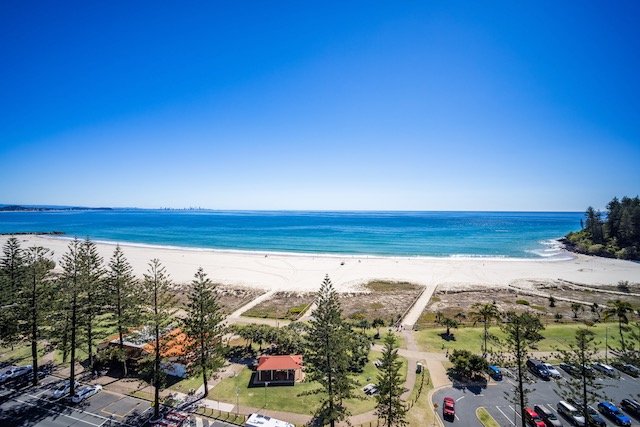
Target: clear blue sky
421,105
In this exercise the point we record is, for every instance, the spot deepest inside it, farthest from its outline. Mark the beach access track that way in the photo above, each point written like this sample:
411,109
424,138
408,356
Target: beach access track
412,316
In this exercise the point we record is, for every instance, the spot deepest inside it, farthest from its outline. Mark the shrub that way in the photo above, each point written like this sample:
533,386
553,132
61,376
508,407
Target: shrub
522,302
558,317
596,249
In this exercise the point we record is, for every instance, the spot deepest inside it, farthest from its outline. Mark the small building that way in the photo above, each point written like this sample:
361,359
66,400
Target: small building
280,369
258,420
139,343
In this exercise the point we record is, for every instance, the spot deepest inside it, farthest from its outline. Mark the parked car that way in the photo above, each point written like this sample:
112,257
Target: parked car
494,372
570,412
631,406
532,418
14,372
85,392
538,368
175,417
26,378
605,369
370,389
570,369
449,408
576,371
62,389
628,369
552,371
612,412
547,415
594,418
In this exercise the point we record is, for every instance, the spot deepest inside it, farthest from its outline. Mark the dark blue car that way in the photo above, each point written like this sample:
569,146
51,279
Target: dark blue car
495,372
612,412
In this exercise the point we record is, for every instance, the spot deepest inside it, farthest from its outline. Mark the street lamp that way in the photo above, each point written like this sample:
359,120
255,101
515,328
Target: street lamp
606,345
237,400
266,384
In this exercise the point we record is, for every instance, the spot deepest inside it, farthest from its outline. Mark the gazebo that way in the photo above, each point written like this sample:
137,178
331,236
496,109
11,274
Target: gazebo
280,369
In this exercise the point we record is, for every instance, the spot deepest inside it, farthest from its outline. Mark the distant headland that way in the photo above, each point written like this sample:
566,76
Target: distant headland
614,234
37,208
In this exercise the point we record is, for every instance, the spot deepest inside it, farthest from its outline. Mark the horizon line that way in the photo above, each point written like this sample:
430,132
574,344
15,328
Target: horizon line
54,207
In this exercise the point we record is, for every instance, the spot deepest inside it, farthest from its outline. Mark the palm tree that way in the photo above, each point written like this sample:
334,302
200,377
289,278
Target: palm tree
449,323
484,313
619,309
575,307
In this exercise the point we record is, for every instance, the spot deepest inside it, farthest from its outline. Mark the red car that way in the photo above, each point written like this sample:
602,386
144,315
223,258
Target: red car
449,408
532,418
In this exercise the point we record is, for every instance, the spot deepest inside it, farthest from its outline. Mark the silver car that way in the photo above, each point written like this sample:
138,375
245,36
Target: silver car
85,392
62,388
553,371
14,372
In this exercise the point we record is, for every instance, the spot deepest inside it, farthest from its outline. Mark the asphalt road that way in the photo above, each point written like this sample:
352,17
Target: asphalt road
494,398
33,406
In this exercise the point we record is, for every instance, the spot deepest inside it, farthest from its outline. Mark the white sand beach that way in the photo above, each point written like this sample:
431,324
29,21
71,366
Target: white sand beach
305,272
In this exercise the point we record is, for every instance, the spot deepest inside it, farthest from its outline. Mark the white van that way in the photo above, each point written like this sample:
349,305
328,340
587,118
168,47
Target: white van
258,420
571,413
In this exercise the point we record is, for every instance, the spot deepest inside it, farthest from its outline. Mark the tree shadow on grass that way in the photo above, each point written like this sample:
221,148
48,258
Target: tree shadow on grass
447,337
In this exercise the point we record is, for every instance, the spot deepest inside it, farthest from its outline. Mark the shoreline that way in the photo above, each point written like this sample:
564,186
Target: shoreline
563,253
305,272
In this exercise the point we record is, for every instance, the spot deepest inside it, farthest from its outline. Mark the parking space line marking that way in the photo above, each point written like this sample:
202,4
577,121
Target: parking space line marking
514,410
72,408
458,399
505,415
121,398
59,413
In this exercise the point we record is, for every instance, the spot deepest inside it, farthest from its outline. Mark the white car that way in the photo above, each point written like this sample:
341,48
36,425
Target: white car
85,392
14,372
553,371
62,388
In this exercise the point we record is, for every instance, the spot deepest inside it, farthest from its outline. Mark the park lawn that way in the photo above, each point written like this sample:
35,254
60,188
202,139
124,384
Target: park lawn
296,399
186,384
470,338
21,354
421,410
371,332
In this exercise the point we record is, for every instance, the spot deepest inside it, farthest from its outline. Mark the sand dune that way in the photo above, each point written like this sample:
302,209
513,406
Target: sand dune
305,272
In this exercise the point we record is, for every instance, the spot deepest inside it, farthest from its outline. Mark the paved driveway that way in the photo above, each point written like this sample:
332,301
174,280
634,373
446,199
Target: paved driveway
494,397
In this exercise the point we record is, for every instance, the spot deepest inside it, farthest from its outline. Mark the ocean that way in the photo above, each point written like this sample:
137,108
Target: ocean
434,234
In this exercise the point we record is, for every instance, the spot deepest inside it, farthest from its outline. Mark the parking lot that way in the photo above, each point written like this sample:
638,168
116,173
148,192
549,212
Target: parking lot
34,406
494,397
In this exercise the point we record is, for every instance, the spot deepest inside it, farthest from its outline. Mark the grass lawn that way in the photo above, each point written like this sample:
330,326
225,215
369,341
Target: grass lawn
183,386
485,418
21,354
294,399
470,338
383,333
421,412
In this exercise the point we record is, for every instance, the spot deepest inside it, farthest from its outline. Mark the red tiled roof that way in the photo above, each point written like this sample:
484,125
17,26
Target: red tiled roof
279,363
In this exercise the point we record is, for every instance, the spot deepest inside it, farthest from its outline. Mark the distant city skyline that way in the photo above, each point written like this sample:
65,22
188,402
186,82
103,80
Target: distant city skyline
339,106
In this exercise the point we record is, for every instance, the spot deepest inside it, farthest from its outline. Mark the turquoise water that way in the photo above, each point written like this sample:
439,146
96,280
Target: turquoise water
442,234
